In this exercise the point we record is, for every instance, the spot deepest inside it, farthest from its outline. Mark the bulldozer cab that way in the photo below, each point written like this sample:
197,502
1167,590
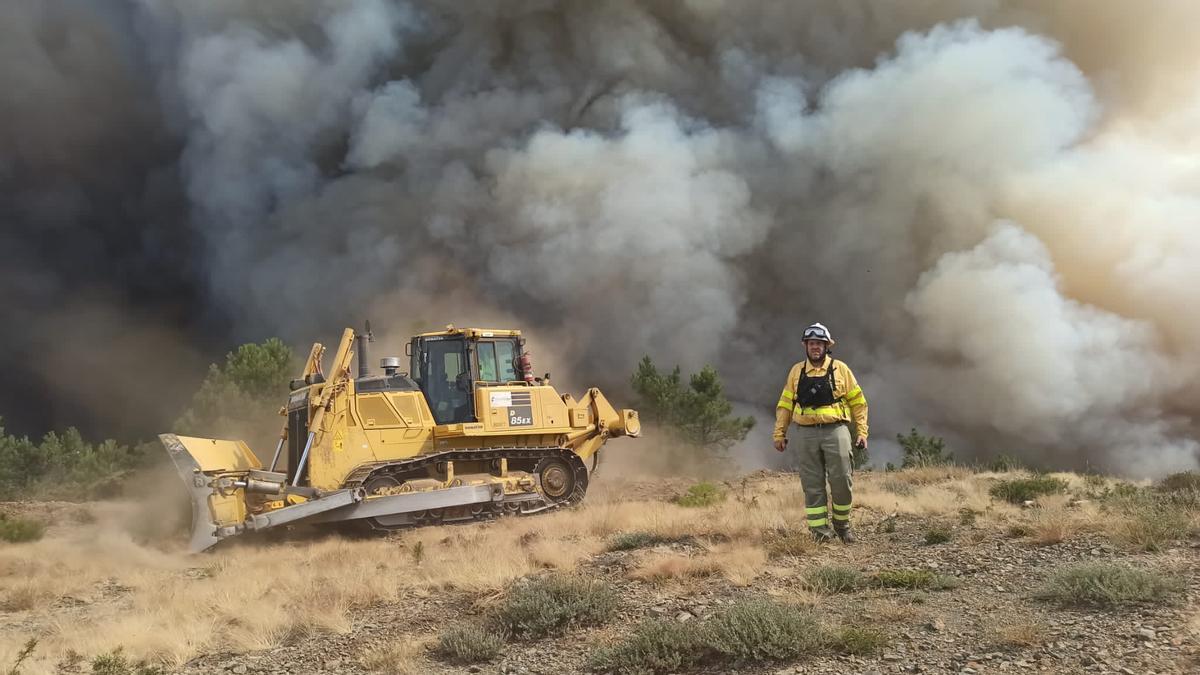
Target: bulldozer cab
446,366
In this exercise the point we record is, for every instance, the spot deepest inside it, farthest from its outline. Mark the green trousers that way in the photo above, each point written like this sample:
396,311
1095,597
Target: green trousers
825,454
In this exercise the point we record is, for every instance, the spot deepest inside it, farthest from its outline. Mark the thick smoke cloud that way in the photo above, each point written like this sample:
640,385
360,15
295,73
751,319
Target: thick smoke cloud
983,199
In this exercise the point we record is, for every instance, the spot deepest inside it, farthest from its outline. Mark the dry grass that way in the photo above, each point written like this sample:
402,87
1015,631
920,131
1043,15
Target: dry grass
739,563
95,586
1017,635
563,555
1150,523
163,605
1053,525
933,490
932,474
404,656
892,610
795,543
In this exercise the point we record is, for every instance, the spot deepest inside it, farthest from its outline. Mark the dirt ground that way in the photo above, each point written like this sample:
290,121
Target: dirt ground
324,603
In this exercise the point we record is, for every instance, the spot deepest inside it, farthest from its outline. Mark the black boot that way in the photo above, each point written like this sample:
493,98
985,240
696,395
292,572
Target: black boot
845,534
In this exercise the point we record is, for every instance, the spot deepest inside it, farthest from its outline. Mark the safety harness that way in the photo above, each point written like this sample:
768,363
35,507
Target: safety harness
815,395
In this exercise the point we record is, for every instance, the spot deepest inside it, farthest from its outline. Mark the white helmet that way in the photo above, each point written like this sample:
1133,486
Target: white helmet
818,331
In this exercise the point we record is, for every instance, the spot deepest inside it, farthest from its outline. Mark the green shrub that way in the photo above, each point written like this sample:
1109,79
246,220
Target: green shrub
1181,482
1110,584
1124,490
937,534
831,579
116,663
468,643
922,450
1181,490
1004,463
16,530
761,630
860,641
654,646
64,466
698,415
914,579
242,392
701,494
746,632
1019,490
628,541
550,605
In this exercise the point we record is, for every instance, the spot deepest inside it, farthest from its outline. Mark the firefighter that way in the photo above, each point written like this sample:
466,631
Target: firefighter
822,397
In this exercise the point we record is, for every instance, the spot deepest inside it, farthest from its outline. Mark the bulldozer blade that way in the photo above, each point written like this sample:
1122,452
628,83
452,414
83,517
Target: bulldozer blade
193,457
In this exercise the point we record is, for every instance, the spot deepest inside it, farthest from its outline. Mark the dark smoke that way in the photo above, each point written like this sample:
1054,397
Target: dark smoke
983,199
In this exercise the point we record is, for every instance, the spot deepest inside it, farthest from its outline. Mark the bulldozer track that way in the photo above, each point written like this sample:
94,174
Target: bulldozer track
537,457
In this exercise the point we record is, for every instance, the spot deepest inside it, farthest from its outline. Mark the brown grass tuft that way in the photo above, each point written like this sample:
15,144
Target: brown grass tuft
1049,529
660,567
892,610
1026,634
795,543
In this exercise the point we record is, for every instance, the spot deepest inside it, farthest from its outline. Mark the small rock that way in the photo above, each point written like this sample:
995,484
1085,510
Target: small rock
1146,634
937,625
240,669
684,616
892,657
473,669
333,664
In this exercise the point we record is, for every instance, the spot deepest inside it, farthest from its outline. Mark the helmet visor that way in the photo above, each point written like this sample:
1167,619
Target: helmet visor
816,333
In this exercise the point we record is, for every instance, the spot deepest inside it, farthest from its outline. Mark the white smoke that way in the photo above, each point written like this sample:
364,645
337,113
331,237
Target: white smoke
992,204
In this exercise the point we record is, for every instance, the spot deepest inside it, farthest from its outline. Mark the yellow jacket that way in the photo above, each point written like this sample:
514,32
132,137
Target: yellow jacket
851,403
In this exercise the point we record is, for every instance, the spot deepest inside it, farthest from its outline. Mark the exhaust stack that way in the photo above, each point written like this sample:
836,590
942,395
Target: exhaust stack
364,370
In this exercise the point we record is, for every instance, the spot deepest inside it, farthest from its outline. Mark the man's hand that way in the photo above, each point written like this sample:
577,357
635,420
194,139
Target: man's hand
861,443
780,444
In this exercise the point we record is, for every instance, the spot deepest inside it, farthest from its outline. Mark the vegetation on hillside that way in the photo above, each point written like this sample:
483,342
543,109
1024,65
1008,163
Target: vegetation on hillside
238,398
697,417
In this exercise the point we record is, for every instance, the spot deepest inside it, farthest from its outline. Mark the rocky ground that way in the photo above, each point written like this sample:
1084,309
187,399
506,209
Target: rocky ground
990,623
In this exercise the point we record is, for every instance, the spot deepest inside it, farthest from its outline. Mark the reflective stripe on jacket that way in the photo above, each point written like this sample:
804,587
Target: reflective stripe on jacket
851,403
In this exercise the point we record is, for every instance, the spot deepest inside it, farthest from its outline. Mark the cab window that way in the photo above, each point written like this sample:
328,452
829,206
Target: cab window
487,361
506,360
447,382
496,361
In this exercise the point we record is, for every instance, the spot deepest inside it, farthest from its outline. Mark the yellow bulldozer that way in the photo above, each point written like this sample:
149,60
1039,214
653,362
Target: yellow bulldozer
467,433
